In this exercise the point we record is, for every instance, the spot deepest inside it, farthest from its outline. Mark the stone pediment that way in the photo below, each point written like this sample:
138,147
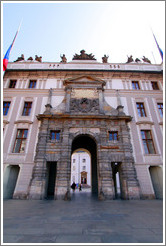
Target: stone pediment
84,79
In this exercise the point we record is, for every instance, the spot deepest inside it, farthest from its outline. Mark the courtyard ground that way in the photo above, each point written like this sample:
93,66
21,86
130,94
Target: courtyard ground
84,219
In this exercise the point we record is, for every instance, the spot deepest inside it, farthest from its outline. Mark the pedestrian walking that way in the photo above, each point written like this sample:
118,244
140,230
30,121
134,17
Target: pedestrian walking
80,187
73,186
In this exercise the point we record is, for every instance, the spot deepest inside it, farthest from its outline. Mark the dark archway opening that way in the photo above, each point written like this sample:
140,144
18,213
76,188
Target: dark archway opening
88,143
51,179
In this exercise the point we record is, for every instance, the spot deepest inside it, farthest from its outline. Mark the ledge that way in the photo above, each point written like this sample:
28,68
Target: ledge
23,121
145,122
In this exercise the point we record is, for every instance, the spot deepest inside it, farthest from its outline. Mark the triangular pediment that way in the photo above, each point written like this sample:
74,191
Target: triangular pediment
84,79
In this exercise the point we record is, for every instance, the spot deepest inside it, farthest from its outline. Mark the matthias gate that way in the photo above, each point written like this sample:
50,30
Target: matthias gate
84,120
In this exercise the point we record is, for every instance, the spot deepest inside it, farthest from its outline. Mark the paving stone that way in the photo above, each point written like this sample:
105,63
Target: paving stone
83,220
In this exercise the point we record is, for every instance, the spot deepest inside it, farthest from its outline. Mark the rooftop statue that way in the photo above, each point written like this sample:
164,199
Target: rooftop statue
38,58
145,59
64,59
137,60
83,56
21,58
30,58
130,59
105,59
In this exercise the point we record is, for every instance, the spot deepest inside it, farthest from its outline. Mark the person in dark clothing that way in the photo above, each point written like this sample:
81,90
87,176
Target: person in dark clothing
73,186
80,187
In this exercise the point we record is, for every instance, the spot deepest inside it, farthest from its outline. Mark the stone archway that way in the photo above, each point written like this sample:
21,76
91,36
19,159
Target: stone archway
87,142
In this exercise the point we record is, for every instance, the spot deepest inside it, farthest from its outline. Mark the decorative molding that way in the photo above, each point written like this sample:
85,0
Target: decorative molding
23,121
144,122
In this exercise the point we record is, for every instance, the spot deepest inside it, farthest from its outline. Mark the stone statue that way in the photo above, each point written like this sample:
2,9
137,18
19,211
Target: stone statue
21,58
145,59
130,59
105,59
137,60
64,60
37,58
30,58
83,56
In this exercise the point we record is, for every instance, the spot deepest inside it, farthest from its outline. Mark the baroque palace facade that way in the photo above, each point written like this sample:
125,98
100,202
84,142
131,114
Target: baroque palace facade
112,111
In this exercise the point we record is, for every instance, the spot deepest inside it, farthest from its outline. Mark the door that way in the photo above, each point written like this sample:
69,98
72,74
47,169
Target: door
157,181
51,172
10,180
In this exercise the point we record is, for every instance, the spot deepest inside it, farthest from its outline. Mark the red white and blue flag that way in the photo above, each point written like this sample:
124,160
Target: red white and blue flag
6,57
159,49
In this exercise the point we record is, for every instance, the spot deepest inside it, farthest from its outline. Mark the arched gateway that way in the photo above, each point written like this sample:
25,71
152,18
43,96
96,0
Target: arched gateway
84,120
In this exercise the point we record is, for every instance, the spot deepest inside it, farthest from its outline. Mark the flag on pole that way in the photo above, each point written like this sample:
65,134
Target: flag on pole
160,50
6,57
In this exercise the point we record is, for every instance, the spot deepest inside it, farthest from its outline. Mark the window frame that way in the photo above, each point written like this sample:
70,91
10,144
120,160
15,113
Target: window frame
141,109
135,85
27,109
12,83
147,141
160,109
33,84
6,108
22,140
155,85
112,133
56,134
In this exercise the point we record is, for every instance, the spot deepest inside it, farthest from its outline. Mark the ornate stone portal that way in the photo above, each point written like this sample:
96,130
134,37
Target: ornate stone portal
84,120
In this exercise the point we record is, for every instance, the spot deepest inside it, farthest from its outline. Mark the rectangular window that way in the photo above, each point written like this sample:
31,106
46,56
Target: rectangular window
55,135
74,160
84,168
113,136
6,106
160,107
84,160
135,85
147,142
27,108
155,86
141,110
32,84
19,145
12,83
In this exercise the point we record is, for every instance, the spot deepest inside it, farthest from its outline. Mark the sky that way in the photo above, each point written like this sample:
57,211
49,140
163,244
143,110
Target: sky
115,28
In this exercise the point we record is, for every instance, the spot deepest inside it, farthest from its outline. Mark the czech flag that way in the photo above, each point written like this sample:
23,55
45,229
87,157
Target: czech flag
6,57
159,49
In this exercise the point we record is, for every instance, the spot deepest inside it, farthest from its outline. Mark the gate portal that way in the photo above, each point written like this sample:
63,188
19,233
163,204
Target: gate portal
88,143
85,120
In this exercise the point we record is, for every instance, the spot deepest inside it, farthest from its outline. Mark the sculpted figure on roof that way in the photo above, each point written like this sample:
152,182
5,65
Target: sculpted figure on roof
64,59
83,56
105,59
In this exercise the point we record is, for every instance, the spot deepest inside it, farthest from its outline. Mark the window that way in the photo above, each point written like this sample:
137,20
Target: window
84,168
160,107
27,108
12,83
147,142
141,110
83,160
155,86
19,145
135,85
32,84
55,135
74,160
6,106
113,136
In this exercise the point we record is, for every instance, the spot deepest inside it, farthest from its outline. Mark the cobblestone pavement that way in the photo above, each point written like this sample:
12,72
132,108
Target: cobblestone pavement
84,219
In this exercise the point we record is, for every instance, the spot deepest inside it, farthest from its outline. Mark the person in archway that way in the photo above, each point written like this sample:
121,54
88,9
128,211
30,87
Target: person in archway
80,187
73,186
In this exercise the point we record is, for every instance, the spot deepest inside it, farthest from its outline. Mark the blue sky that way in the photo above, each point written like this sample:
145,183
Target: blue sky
115,28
